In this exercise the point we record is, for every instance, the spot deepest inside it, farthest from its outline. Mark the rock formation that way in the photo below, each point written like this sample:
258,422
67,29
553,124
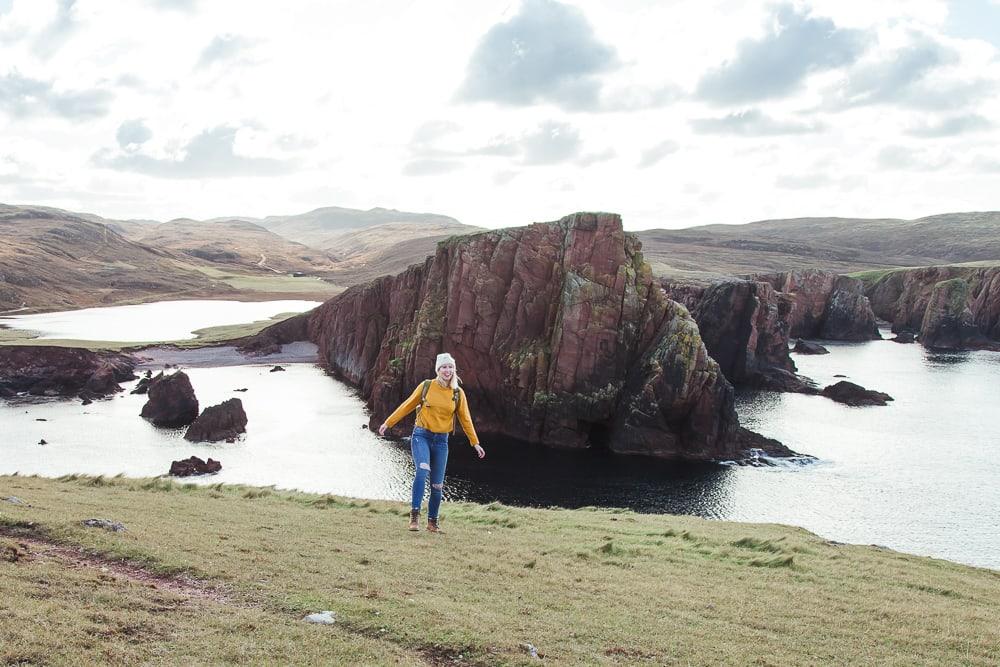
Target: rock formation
744,325
806,347
271,339
948,322
219,422
903,296
172,402
561,334
194,466
62,371
826,305
854,394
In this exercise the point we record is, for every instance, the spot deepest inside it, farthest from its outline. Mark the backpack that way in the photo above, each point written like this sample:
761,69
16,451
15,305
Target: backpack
455,395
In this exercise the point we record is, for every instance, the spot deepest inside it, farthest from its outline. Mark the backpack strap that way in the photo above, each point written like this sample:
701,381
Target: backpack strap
455,396
423,394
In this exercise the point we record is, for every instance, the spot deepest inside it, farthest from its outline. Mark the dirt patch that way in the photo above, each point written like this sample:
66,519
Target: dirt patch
28,548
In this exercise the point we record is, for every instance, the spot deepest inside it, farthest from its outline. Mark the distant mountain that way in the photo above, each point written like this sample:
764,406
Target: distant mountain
236,243
54,259
387,249
837,244
320,228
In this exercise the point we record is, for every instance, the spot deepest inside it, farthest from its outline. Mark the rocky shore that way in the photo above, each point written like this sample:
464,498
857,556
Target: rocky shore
62,371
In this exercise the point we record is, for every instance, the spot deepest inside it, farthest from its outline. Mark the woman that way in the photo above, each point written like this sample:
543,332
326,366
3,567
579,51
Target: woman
437,403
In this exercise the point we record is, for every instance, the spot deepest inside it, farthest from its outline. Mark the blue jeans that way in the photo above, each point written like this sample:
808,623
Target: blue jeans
430,457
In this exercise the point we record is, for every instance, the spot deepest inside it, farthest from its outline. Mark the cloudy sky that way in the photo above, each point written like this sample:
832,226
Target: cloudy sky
502,112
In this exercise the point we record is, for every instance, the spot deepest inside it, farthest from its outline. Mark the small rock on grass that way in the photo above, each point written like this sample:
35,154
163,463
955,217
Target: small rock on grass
530,650
322,617
106,524
14,500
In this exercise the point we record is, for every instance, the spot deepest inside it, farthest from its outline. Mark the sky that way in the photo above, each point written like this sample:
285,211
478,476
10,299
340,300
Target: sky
672,113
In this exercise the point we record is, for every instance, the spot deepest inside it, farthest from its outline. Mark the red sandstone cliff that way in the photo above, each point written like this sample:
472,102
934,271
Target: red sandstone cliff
825,305
745,326
561,334
902,297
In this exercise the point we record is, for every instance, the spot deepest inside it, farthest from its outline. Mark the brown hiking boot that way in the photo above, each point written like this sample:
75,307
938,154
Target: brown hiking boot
414,519
432,526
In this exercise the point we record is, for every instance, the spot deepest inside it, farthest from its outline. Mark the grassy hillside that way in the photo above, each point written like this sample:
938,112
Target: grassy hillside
236,244
56,260
222,574
844,245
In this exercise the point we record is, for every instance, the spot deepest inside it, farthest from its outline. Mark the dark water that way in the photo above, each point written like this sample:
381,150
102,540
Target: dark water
921,475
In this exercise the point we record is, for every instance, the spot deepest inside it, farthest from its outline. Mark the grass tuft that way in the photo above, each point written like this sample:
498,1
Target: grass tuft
777,561
757,544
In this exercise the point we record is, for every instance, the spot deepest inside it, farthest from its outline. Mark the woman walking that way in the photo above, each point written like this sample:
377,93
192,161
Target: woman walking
438,402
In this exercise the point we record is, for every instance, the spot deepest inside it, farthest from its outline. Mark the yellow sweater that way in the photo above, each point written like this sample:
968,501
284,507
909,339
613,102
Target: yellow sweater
438,411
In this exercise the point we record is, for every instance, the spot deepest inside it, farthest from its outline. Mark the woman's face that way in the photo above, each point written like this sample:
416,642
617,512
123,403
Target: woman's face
446,371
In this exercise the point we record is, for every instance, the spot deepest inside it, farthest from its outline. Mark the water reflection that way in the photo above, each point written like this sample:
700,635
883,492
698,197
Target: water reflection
520,474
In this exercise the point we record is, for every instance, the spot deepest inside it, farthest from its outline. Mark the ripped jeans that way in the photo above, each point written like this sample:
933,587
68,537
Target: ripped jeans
430,456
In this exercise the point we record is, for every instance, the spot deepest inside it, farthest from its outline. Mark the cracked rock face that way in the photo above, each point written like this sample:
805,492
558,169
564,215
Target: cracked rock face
948,323
825,305
561,334
905,297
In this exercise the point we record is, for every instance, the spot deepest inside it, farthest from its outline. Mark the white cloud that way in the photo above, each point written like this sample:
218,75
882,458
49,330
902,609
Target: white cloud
222,48
209,154
23,96
132,134
654,154
548,52
951,126
795,46
752,123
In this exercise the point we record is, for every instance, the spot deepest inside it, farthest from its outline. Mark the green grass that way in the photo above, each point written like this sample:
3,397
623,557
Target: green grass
203,337
274,282
871,277
585,586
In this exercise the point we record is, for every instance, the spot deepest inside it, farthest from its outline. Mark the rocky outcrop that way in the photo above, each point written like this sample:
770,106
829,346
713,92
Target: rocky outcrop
903,296
561,334
194,466
806,347
142,386
948,322
744,325
62,371
224,421
172,402
850,393
826,305
270,340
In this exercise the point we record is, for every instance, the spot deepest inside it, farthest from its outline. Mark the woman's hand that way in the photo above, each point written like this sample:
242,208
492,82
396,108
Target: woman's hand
480,451
382,428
